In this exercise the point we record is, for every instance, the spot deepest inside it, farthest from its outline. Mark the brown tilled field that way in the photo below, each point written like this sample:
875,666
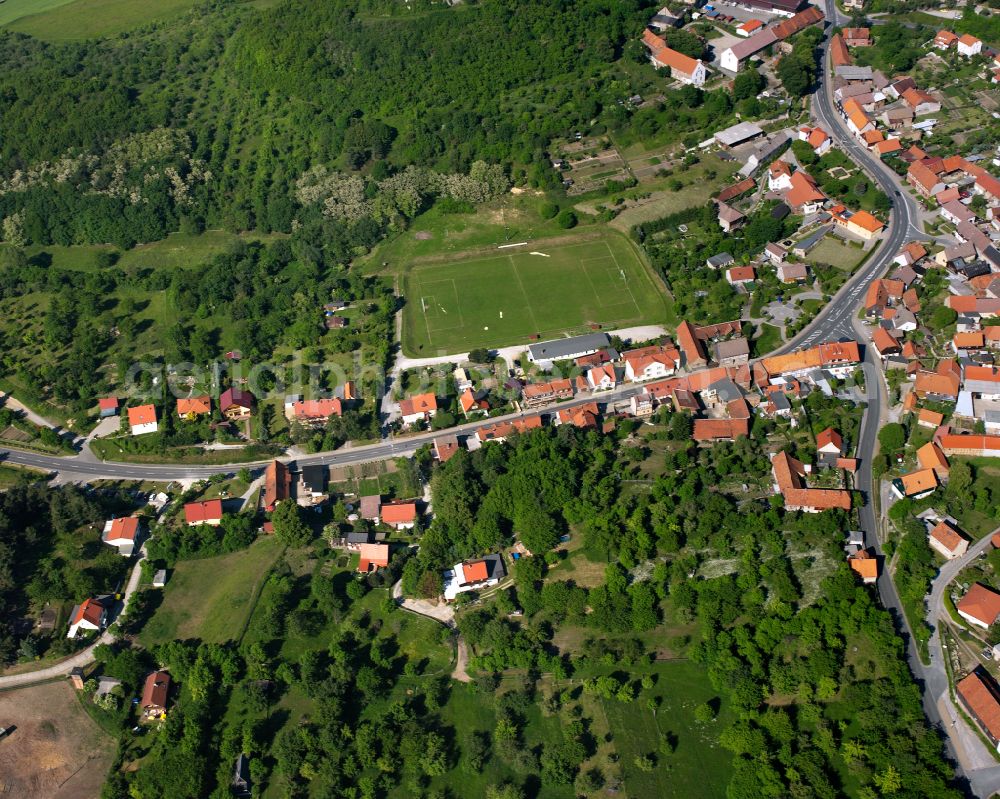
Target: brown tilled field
56,751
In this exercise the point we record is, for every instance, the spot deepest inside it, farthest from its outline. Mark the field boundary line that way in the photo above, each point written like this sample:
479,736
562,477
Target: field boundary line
527,302
628,288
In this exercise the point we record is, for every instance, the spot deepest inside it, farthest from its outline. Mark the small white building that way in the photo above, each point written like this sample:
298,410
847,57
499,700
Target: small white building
91,614
968,45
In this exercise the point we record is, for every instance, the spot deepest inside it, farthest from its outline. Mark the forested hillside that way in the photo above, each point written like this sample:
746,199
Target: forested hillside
213,118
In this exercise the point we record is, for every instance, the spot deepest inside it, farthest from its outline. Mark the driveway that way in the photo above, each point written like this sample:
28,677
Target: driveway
439,611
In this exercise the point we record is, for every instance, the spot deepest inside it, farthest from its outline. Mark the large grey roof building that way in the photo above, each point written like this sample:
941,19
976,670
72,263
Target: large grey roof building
545,353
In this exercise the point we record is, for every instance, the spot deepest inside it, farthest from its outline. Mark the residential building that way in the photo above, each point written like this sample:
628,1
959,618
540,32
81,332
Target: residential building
936,387
829,446
191,408
915,485
740,275
369,507
142,419
732,352
89,615
277,485
968,45
400,514
980,606
930,456
122,533
155,695
776,254
473,575
789,481
983,446
206,512
501,430
236,404
690,346
929,418
602,378
857,37
720,429
749,27
779,176
865,565
839,358
641,404
445,447
945,40
911,253
314,412
858,223
651,363
729,218
473,402
947,541
373,557
419,408
535,394
884,343
921,102
980,696
793,273
804,197
719,260
682,68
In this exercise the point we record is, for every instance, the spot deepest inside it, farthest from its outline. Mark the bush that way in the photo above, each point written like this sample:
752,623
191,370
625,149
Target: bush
548,210
566,219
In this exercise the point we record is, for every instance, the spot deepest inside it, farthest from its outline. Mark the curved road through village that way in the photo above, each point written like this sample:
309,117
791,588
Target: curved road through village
836,322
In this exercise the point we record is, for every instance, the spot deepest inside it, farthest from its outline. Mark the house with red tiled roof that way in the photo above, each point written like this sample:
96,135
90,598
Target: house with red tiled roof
472,401
155,695
930,456
602,378
804,197
817,138
277,485
790,481
749,27
865,565
936,387
857,37
921,102
445,447
472,575
682,67
419,408
945,39
915,485
921,178
91,614
122,533
980,696
691,346
982,446
313,412
884,343
536,394
837,357
400,514
651,363
887,147
372,557
980,606
969,46
206,512
706,430
839,55
829,442
740,275
193,407
859,223
502,430
142,419
582,416
947,540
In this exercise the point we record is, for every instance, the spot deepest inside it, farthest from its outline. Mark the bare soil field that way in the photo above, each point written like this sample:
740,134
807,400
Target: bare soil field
56,750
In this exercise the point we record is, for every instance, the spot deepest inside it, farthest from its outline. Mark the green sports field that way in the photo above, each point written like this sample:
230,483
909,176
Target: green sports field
504,298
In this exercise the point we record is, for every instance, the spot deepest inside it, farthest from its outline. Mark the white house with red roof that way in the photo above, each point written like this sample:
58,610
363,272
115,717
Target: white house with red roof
91,614
123,533
401,515
472,575
980,606
418,408
650,363
817,138
682,67
968,45
142,419
602,378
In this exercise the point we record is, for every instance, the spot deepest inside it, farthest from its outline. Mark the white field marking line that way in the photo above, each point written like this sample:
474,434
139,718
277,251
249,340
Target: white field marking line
628,287
544,255
439,309
527,302
505,246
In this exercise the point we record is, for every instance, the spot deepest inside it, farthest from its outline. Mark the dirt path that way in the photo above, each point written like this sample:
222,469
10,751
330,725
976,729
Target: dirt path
460,672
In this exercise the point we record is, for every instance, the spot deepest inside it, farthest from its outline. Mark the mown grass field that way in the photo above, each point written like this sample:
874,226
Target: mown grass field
59,20
502,298
212,598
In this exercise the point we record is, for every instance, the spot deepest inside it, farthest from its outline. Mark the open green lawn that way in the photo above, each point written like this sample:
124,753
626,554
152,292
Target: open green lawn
836,252
768,340
500,298
212,598
59,20
699,766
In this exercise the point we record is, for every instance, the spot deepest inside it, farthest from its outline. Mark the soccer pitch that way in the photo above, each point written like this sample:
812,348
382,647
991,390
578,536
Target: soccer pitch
504,298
